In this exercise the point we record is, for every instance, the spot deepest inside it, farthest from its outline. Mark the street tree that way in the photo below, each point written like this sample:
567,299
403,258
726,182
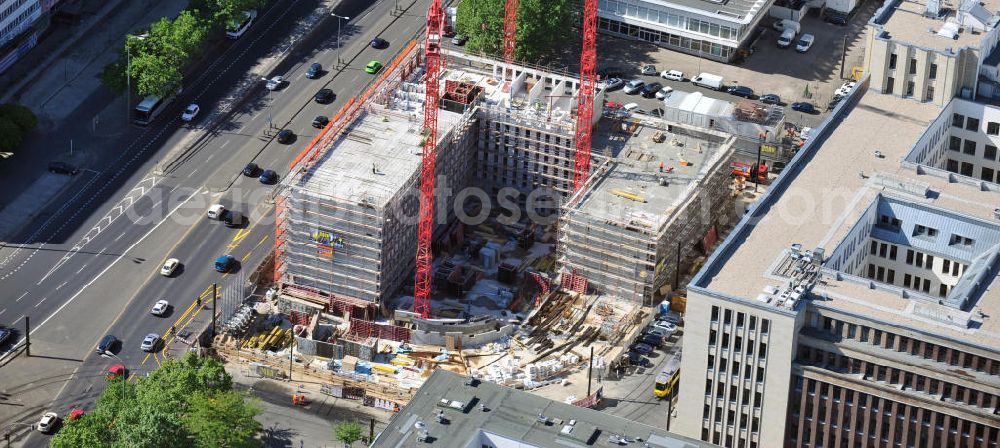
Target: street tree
347,432
225,11
20,115
188,399
543,26
10,135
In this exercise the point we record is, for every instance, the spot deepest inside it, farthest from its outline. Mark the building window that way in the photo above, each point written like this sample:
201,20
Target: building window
943,290
970,147
972,124
906,280
913,66
946,263
987,174
933,72
909,256
952,166
966,169
929,96
958,120
892,252
892,62
871,270
992,128
890,277
990,153
888,85
909,88
954,143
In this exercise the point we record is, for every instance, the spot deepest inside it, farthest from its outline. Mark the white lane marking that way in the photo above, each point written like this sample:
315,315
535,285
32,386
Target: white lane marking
110,265
15,323
192,173
22,296
40,302
223,145
60,285
81,269
209,159
120,236
3,311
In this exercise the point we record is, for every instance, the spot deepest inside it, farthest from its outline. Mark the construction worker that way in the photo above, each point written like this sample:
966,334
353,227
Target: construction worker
661,167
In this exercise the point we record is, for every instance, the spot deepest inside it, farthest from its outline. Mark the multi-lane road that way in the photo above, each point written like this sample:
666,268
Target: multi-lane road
90,264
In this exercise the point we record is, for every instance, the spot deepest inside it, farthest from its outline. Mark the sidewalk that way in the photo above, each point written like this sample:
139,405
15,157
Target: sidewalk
59,80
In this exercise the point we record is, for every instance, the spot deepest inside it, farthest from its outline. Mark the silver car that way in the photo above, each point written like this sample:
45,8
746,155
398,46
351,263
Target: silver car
634,86
150,342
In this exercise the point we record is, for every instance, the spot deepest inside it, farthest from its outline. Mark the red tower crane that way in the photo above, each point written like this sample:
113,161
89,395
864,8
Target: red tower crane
425,227
585,98
509,30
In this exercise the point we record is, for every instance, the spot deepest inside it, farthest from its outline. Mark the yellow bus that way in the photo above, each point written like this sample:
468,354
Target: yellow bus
666,381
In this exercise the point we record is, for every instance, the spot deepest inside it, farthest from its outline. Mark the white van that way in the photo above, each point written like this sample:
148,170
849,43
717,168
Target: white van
786,38
216,211
708,80
672,75
785,24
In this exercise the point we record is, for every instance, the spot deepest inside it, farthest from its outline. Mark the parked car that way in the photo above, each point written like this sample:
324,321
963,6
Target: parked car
610,72
324,96
641,348
836,19
315,71
169,267
275,83
805,43
741,91
373,67
658,112
286,136
651,339
48,423
160,308
804,107
63,168
649,90
656,331
190,112
237,27
150,342
786,38
667,327
664,92
268,177
770,98
320,122
633,86
636,359
379,43
251,170
459,39
845,89
630,107
672,75
613,83
216,211
234,219
116,371
647,70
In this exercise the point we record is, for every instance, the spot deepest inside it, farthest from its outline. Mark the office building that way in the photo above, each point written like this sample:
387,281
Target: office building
710,29
857,304
452,411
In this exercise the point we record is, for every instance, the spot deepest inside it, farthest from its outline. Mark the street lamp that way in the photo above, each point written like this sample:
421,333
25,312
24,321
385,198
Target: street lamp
128,73
267,99
6,434
108,353
339,18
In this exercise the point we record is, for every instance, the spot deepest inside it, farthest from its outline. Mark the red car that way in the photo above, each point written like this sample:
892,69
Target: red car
75,414
116,371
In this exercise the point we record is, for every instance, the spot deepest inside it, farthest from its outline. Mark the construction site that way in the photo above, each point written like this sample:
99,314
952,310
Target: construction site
530,265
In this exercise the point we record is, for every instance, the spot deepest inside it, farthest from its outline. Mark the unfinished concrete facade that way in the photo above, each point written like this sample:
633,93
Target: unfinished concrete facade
647,203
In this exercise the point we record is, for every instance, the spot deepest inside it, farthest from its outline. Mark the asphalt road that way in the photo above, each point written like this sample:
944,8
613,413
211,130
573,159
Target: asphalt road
631,396
102,274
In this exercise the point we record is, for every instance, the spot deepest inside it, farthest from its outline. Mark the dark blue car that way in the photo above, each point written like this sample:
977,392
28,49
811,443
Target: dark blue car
268,177
224,263
804,107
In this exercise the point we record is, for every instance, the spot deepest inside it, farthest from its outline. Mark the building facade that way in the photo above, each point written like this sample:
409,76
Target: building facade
856,304
930,53
713,30
21,24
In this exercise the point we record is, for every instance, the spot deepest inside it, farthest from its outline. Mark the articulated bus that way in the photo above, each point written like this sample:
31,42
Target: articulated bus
151,106
666,381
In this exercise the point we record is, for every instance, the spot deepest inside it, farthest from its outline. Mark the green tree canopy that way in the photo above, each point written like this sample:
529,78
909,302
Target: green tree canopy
347,432
19,115
188,399
10,135
543,26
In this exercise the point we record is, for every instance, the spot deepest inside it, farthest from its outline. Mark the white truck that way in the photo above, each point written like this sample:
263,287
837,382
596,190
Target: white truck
708,80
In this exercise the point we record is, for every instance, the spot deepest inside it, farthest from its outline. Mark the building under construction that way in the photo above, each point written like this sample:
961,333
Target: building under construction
347,212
